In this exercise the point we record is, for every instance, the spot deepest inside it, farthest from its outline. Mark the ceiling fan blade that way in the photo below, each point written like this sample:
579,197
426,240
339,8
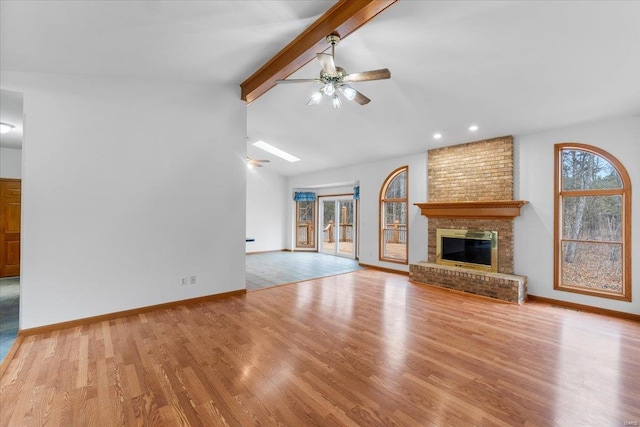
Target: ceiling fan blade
326,61
256,161
364,76
299,81
361,99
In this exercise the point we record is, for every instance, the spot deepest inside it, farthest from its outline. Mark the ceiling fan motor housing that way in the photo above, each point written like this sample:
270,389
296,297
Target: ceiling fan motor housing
333,39
333,78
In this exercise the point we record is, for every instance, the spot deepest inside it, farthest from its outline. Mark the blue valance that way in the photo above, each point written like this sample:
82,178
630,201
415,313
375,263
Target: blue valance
356,193
304,196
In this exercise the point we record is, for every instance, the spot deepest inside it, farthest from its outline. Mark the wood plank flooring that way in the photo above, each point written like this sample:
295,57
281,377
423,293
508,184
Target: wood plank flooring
359,349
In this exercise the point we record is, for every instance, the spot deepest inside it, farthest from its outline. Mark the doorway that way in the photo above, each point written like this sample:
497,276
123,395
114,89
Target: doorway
337,234
11,113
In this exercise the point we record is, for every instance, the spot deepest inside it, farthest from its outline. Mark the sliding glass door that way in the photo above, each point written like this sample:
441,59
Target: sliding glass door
338,228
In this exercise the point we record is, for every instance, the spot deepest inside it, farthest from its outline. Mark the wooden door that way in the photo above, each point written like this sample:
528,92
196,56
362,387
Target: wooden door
10,192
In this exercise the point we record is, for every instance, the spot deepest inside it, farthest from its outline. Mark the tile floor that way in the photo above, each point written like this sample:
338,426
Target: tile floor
263,270
9,303
277,268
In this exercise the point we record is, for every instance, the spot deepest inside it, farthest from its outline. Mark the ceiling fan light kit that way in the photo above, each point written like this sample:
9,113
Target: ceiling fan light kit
251,163
337,103
329,89
315,99
348,92
6,127
335,79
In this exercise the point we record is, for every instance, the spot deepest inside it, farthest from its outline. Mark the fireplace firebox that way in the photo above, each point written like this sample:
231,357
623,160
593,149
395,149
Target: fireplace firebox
474,249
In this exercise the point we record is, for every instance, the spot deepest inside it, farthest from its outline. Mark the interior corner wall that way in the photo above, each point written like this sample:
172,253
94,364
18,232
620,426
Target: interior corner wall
128,186
266,207
370,177
10,163
534,228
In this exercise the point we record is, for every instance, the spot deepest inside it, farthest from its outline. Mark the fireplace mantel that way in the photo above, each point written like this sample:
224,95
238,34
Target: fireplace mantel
494,209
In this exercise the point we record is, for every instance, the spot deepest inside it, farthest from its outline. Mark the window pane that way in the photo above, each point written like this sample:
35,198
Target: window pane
595,266
395,212
328,213
305,211
305,224
345,227
346,211
395,251
582,170
397,188
592,218
395,231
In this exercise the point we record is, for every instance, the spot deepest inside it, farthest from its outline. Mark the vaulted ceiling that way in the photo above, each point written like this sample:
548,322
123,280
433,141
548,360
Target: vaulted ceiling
508,67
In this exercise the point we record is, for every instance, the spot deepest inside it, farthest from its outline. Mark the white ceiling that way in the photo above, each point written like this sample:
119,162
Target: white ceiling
509,67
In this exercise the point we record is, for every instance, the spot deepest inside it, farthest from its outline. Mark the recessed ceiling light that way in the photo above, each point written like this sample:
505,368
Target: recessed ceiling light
275,151
437,135
473,128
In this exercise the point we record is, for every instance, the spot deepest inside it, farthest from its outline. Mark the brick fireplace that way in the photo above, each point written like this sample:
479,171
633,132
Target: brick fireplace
471,188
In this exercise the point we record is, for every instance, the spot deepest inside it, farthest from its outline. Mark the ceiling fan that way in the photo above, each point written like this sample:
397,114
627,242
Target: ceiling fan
255,162
335,79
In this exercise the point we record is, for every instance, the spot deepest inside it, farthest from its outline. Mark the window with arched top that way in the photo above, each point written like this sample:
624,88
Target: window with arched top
592,222
394,230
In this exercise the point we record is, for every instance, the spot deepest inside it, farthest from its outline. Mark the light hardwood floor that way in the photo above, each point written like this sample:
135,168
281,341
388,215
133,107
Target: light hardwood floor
364,348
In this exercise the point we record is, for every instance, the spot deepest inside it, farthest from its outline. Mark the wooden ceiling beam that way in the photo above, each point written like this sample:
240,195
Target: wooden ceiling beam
343,18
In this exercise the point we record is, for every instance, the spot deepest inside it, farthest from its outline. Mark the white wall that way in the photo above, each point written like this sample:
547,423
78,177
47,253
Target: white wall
127,187
266,210
533,250
10,163
370,177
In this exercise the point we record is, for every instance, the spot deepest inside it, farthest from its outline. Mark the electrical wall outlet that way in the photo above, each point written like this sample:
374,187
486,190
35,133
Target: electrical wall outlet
192,280
183,281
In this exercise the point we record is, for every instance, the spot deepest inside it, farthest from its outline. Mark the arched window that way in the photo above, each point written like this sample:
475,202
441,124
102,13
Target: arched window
394,230
592,222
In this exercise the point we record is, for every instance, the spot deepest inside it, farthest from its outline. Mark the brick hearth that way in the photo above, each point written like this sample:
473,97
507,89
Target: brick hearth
507,287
